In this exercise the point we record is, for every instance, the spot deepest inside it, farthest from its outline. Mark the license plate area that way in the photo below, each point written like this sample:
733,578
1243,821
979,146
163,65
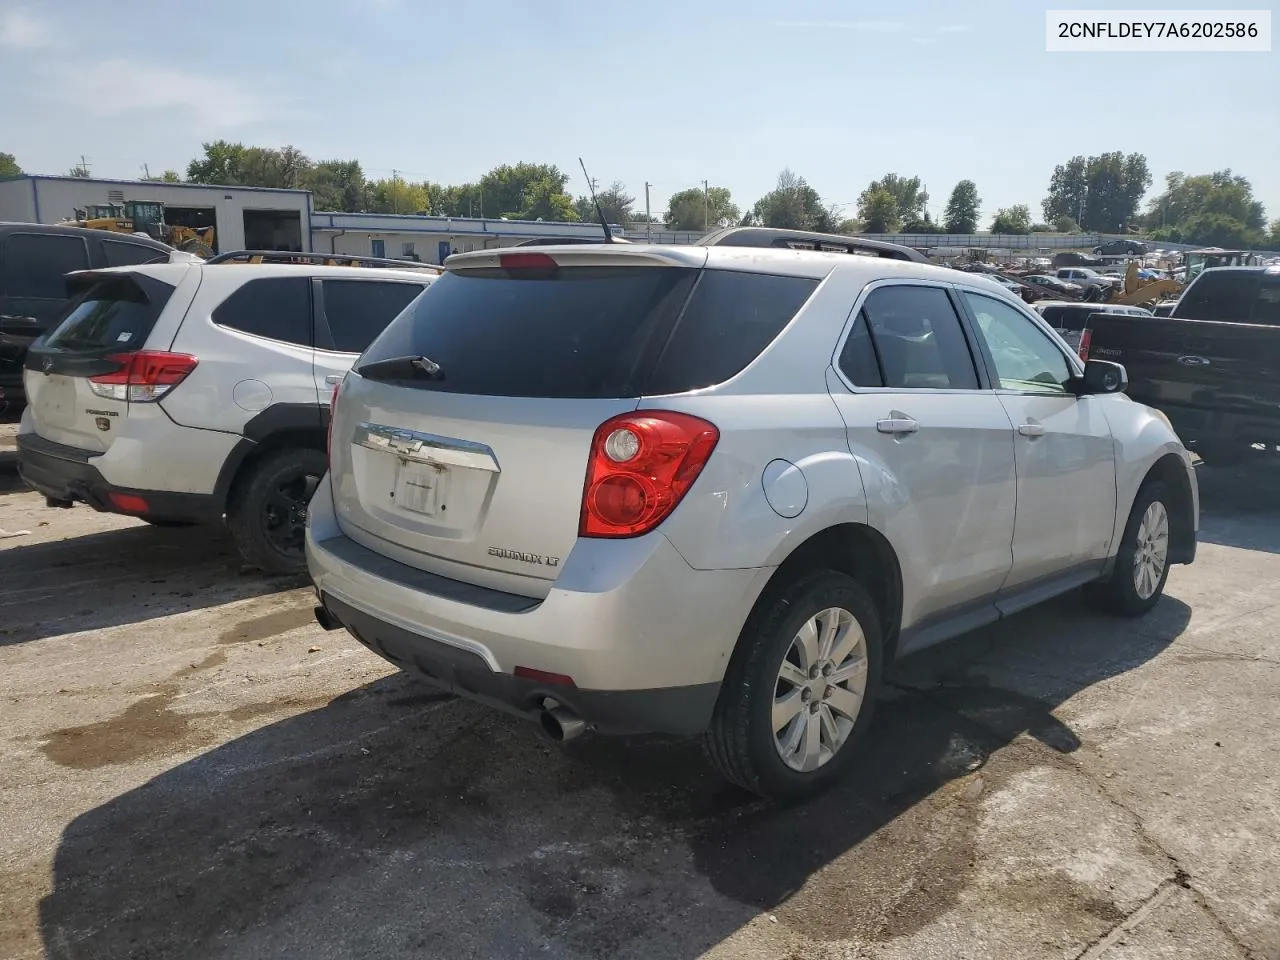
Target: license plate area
421,487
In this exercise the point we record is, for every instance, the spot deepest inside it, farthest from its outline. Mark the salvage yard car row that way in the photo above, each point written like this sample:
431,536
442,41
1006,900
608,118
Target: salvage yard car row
712,489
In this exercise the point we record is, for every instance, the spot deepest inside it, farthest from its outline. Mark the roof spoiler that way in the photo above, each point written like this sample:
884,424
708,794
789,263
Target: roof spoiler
808,240
320,259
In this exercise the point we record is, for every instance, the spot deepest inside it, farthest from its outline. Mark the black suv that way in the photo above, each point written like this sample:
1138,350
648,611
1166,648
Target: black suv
34,261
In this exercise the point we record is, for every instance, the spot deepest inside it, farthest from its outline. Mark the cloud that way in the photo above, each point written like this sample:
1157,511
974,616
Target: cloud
874,26
953,28
124,89
924,39
21,30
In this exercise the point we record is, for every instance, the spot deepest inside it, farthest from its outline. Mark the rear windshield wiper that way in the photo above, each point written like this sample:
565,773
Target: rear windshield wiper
402,368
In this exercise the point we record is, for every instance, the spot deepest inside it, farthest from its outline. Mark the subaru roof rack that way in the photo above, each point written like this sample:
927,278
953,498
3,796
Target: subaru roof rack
808,240
321,259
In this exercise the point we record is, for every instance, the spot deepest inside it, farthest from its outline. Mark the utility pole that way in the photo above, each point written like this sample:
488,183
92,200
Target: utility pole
706,207
146,172
648,218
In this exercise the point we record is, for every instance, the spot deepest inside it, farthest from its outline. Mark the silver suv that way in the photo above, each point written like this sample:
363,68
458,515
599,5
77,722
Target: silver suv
719,490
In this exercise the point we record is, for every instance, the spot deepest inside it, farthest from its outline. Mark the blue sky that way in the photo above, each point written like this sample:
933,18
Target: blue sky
668,92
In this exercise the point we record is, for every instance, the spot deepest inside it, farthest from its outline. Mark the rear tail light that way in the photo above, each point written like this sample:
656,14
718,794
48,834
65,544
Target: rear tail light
527,261
1086,337
641,466
144,376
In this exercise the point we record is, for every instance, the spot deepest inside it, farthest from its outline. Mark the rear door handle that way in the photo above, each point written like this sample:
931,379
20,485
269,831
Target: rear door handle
1032,430
897,425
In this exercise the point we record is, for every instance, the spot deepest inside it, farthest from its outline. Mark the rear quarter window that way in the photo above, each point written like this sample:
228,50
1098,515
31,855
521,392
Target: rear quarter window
119,253
730,319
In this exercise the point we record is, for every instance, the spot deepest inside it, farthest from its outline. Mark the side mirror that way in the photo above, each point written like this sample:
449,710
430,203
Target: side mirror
1102,376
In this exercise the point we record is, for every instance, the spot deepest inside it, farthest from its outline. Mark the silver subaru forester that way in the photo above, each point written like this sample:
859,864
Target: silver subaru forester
717,489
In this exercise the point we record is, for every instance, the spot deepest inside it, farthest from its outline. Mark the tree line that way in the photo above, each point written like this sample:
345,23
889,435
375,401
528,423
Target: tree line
1096,194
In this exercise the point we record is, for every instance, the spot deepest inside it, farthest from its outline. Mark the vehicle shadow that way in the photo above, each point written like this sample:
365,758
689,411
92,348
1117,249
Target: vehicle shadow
394,823
119,576
10,482
1239,507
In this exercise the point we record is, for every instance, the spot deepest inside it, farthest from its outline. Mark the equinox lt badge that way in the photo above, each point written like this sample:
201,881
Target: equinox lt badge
507,554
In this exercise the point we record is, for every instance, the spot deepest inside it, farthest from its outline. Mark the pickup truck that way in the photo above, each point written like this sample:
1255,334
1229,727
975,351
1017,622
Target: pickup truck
1212,366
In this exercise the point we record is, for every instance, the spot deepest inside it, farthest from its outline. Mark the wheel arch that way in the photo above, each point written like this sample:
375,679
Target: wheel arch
1172,471
277,428
855,549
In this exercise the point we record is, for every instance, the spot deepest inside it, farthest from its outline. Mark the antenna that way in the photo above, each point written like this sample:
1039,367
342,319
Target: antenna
608,235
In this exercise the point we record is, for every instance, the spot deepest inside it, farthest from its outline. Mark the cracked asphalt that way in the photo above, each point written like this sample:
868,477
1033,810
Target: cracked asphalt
191,768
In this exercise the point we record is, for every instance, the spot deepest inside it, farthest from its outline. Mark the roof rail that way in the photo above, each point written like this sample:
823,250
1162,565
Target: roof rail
808,240
320,259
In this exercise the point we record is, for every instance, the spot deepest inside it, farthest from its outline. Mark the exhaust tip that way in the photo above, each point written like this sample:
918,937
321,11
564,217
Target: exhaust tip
561,725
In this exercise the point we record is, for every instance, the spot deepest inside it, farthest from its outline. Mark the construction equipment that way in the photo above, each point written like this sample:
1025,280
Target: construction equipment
144,217
1137,292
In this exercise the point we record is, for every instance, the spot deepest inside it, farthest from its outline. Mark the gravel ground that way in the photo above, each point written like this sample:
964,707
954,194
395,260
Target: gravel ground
193,769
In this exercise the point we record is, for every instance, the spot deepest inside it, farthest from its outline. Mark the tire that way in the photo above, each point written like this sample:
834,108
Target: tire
1125,592
268,512
741,742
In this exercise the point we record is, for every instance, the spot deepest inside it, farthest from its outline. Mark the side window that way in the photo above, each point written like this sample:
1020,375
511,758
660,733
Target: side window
1025,358
278,308
35,264
918,339
120,254
359,310
1266,309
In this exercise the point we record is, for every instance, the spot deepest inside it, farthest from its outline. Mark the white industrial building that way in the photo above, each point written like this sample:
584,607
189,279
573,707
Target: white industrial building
255,218
261,218
431,239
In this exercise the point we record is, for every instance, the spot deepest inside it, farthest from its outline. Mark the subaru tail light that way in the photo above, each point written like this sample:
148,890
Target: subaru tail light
144,376
641,466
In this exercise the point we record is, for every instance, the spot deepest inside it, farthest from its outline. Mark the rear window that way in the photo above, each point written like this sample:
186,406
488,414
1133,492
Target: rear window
34,264
590,332
1219,295
359,310
114,315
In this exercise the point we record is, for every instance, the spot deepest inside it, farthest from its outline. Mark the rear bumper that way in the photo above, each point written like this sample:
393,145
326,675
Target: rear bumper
677,710
67,473
645,638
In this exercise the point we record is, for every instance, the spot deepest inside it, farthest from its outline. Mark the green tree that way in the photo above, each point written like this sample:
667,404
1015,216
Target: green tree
1015,219
397,195
698,210
1101,192
878,210
794,205
615,203
961,215
909,196
337,185
1273,238
9,166
527,191
1215,208
1066,225
923,224
80,171
221,163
